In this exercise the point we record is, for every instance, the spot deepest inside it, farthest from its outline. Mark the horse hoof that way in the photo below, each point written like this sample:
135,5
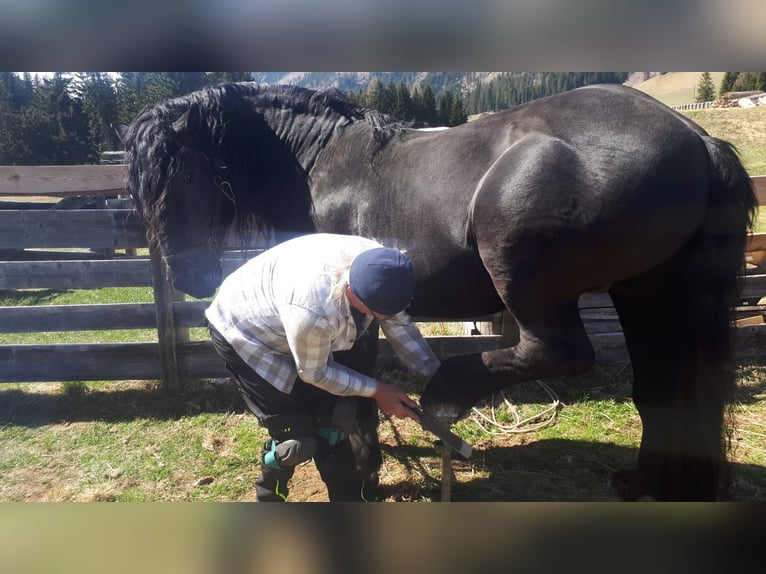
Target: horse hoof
447,413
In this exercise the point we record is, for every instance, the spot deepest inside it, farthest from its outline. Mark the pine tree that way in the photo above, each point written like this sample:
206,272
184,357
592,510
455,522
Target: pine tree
727,82
404,103
387,102
131,94
446,104
705,88
16,93
99,102
429,113
417,105
458,115
752,81
9,122
183,83
372,95
745,82
54,128
221,77
135,90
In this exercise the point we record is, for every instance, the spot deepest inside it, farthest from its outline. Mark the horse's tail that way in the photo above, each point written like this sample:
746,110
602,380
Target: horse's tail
713,287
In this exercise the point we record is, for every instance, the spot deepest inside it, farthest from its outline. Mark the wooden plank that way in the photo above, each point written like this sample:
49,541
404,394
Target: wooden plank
198,359
129,361
754,320
443,347
139,361
97,317
594,300
750,341
609,348
756,242
75,274
42,255
231,263
755,258
75,362
90,228
753,287
190,313
759,186
62,180
482,318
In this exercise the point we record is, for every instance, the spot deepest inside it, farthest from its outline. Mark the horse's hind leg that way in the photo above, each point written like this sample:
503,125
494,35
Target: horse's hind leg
678,396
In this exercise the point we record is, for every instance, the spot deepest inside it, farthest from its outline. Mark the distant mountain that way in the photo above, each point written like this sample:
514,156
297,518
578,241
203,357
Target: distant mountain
461,83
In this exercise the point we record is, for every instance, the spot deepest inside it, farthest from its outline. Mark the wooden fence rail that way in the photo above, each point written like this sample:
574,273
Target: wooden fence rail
43,239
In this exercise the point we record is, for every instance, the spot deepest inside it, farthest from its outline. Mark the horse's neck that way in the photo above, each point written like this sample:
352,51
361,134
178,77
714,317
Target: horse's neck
305,135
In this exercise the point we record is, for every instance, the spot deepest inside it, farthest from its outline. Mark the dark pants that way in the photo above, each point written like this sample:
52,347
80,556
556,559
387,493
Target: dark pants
302,412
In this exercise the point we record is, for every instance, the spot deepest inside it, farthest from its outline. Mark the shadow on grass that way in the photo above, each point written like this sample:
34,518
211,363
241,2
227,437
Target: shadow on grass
34,297
548,470
113,403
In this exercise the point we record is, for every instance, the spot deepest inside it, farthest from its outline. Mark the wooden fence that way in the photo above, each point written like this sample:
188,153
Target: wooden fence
695,106
106,240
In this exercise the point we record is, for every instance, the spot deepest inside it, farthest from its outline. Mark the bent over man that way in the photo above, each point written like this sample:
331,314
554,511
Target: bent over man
277,320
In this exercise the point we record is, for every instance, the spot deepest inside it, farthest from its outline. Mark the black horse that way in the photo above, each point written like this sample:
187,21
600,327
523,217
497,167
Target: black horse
602,187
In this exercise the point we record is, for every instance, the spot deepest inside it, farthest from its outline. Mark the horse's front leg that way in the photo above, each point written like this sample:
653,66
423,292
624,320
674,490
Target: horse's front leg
549,345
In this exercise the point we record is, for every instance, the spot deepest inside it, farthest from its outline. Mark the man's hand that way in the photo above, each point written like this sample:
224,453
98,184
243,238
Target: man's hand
394,401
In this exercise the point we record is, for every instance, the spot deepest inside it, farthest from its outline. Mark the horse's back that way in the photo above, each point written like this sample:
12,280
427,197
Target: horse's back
604,184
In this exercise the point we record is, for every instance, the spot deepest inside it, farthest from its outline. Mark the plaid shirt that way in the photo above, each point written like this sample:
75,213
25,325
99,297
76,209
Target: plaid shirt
278,313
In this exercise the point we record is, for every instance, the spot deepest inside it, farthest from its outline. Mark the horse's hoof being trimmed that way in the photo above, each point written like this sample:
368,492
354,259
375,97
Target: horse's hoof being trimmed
447,413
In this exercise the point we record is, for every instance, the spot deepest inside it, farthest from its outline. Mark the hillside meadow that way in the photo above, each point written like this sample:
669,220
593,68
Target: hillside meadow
130,441
676,88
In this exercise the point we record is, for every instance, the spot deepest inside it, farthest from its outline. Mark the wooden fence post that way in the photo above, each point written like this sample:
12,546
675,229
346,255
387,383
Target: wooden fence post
502,323
172,378
509,329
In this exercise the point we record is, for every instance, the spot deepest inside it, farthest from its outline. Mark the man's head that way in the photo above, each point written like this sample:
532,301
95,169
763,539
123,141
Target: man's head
382,279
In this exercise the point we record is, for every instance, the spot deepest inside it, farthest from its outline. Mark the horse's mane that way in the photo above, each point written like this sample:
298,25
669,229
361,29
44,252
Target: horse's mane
317,103
314,103
222,122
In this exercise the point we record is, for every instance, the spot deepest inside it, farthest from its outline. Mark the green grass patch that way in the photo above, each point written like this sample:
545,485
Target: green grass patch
133,442
745,128
77,296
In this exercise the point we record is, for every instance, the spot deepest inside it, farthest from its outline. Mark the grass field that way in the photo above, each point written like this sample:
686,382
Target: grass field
677,88
129,441
745,128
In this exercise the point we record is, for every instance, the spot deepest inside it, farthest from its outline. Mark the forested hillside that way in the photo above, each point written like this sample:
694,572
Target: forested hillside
64,118
481,91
